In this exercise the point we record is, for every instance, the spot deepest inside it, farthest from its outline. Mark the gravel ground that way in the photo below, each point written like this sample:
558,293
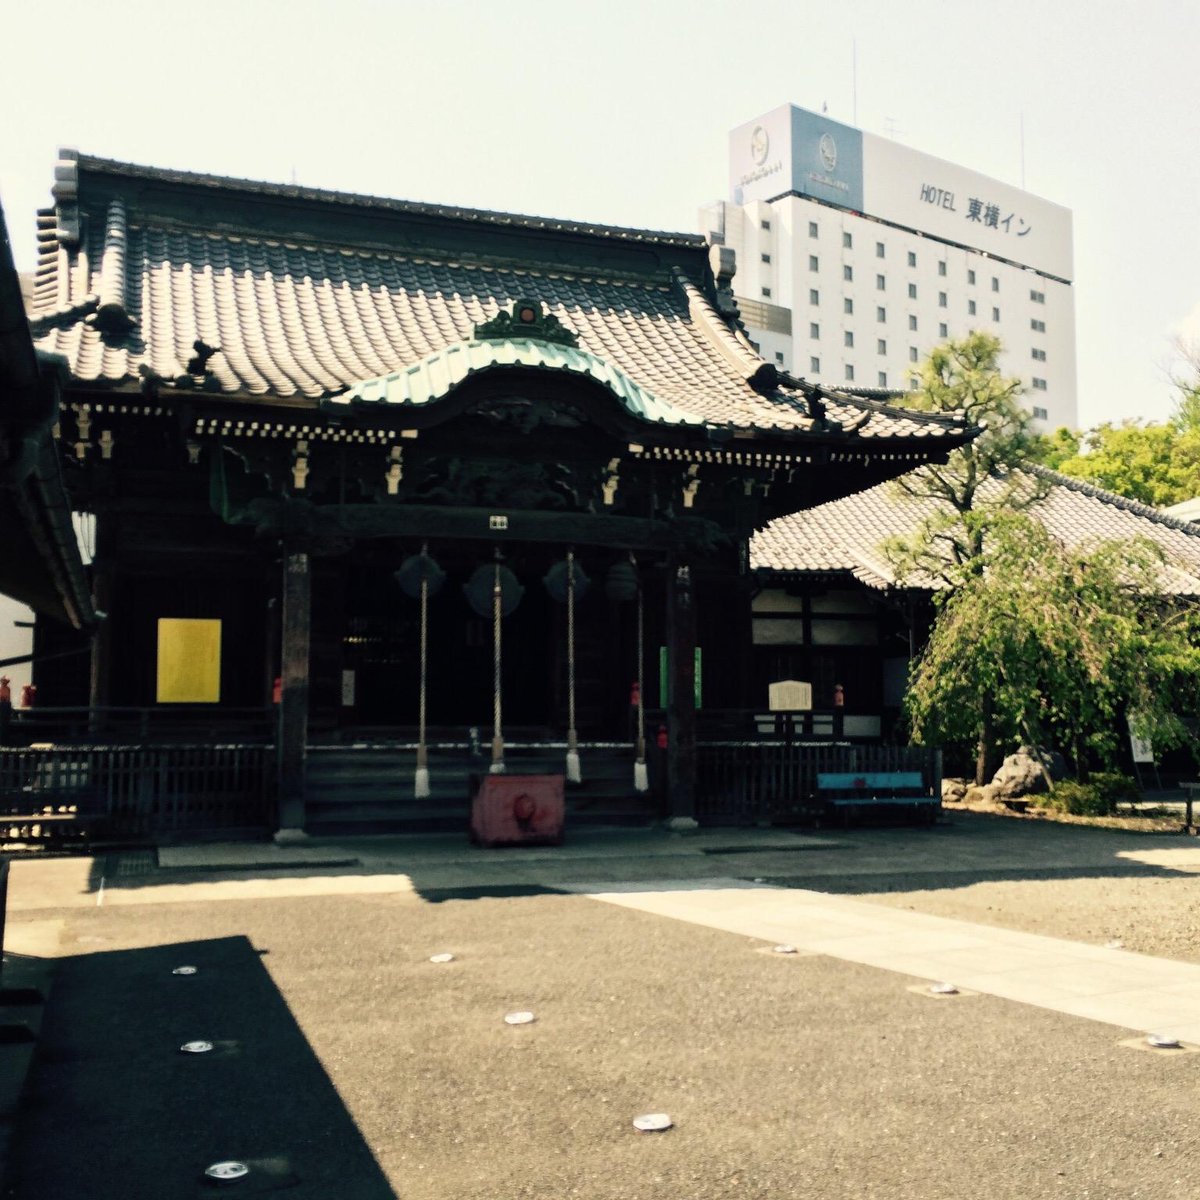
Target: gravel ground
787,1077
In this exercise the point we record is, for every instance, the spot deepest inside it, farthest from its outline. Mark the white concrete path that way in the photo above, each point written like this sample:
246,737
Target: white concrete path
1134,991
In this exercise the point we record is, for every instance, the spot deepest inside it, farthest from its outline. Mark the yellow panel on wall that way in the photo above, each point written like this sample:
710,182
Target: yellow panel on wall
189,661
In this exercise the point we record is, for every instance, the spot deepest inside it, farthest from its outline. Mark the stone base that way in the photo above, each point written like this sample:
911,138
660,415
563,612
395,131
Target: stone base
682,824
290,837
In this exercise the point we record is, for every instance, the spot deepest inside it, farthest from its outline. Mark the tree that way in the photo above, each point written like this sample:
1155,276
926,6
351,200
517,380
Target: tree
963,377
1050,645
958,499
1155,463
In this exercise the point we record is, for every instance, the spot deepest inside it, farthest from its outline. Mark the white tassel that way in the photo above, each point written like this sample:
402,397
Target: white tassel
421,783
574,773
641,777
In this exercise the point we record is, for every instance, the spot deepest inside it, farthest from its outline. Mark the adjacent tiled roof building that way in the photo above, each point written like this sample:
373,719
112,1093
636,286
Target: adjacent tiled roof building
845,536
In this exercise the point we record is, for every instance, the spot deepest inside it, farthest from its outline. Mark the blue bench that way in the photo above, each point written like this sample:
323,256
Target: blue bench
844,792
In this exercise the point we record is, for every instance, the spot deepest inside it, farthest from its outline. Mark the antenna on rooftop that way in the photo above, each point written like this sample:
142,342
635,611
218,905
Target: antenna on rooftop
854,72
1022,152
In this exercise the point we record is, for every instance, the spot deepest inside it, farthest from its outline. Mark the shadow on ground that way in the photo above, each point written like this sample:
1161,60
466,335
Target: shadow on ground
115,1110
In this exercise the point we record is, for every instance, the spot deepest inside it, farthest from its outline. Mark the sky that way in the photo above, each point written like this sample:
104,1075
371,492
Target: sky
619,111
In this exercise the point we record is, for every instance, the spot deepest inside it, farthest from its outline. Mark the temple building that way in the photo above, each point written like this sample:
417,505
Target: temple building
366,477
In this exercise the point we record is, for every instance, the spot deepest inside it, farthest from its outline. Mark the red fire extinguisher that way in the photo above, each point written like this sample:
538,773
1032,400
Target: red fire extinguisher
277,690
635,694
28,695
660,739
5,690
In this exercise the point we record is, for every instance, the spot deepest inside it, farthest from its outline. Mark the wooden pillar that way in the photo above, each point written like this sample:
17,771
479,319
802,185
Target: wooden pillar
681,708
104,569
292,735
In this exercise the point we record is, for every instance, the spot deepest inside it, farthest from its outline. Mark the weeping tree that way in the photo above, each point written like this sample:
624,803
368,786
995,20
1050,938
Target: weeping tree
954,503
1049,644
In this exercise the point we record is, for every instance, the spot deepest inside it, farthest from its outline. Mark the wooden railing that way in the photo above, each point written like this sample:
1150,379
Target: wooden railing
139,791
108,725
750,782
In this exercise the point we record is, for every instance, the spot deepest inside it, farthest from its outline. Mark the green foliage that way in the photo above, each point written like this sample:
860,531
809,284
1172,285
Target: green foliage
1158,464
1055,646
1053,449
1099,797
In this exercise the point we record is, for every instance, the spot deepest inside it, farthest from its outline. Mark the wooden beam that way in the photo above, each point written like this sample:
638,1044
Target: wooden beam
276,518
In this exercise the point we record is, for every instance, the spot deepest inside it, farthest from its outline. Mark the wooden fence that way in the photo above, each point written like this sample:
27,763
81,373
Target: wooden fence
754,782
138,791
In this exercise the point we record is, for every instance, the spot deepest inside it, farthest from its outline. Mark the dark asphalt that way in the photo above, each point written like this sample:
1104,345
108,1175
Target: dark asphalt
349,1066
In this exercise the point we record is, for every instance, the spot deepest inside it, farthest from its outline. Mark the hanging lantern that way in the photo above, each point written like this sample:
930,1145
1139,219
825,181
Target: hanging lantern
621,583
556,578
411,572
479,588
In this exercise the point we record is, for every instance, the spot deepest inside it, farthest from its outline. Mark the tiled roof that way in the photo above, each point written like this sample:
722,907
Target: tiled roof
845,535
125,293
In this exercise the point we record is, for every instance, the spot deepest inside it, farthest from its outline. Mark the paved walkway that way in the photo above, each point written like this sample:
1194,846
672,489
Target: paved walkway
1134,991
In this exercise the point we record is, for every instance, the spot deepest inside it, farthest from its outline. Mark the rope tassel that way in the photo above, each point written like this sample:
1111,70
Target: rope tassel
421,778
641,776
497,767
574,770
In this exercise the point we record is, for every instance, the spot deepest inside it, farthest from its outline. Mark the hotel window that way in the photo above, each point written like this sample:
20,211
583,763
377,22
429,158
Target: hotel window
912,354
814,330
912,259
813,264
1040,414
970,308
1039,355
995,314
814,364
883,379
1037,326
849,373
943,300
1039,384
847,241
766,258
879,250
912,291
1038,297
779,357
767,293
848,305
766,224
881,314
913,384
943,331
995,284
848,273
814,297
812,229
942,267
881,346
970,276
849,338
880,283
912,323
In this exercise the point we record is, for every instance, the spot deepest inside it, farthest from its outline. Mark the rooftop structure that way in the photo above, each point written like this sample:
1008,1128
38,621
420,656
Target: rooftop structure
857,255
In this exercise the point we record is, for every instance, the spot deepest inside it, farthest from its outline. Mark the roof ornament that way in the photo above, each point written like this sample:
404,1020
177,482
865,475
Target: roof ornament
722,261
527,320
